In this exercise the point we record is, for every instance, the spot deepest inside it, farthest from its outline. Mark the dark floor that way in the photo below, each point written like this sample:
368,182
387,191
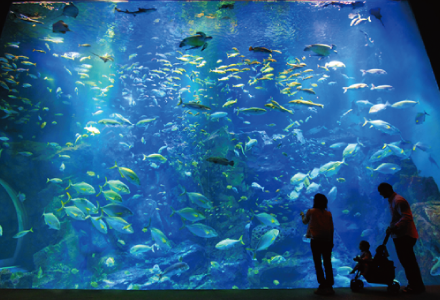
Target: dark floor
376,293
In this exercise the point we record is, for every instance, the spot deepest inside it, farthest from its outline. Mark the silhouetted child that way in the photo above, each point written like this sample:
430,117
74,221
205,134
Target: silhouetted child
363,259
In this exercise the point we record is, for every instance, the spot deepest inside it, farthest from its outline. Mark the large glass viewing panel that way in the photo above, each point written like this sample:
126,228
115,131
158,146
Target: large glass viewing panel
173,145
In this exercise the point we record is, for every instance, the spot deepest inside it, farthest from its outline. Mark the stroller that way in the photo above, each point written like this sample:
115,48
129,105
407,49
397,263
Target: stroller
381,270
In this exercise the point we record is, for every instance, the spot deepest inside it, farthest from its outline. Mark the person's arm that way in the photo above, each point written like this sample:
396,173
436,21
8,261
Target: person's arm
332,227
306,217
405,211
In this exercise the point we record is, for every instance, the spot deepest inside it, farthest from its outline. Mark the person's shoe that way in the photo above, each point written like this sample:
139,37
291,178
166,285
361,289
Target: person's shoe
410,290
320,291
329,291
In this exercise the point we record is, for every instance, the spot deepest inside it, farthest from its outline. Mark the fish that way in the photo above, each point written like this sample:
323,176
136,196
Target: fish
196,41
21,196
220,161
175,269
333,64
350,151
141,249
62,167
331,168
202,230
60,27
189,213
198,199
257,186
155,157
134,13
376,12
99,224
250,144
386,168
82,188
84,205
228,243
355,86
420,117
332,194
218,115
373,71
110,195
21,233
70,10
267,220
378,107
251,110
321,50
382,126
265,241
128,174
73,211
193,105
119,224
117,186
160,239
382,87
405,104
116,210
305,103
55,180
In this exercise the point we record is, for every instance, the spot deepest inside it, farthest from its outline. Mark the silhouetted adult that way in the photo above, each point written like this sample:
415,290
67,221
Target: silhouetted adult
320,231
404,234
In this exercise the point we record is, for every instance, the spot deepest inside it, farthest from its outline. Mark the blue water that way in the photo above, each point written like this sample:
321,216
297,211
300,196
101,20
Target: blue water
43,123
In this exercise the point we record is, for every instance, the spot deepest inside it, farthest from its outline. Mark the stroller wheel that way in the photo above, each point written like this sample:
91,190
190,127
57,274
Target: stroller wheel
394,287
356,285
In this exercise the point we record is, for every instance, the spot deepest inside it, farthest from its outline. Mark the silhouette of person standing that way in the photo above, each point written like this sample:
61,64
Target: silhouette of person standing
404,234
320,230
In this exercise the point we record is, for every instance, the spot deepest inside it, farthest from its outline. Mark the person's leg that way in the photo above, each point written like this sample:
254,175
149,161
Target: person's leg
317,252
405,253
327,257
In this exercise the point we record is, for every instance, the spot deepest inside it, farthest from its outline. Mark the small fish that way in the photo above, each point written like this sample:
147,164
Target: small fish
21,196
22,233
60,27
420,117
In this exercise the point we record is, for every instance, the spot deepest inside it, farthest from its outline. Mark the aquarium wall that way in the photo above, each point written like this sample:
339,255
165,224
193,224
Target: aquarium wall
173,145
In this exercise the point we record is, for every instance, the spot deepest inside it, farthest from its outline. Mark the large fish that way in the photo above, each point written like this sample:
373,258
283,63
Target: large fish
331,168
265,241
134,13
198,199
128,174
386,168
189,213
267,219
52,221
160,239
60,27
175,269
116,210
99,224
70,10
82,188
376,12
119,224
202,230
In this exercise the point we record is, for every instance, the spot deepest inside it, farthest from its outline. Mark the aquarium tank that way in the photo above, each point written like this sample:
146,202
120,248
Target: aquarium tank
173,144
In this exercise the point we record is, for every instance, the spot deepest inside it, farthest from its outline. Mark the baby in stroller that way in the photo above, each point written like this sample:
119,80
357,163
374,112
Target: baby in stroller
364,259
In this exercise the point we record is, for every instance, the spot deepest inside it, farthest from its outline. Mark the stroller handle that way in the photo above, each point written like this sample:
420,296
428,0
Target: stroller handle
386,238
